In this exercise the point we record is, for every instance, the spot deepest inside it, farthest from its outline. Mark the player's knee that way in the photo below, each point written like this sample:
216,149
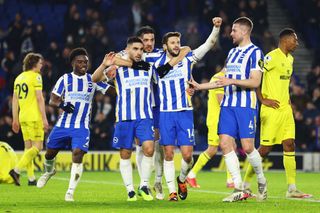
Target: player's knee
187,158
77,155
212,150
148,151
248,149
264,151
168,156
225,147
289,146
125,154
49,156
39,146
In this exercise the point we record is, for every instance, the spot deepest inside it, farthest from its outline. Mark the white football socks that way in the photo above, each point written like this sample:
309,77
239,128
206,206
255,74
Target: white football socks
169,174
185,168
76,172
255,160
126,173
139,156
232,163
146,169
158,162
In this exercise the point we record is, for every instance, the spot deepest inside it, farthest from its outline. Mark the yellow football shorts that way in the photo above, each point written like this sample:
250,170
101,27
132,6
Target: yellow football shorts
213,137
277,125
32,130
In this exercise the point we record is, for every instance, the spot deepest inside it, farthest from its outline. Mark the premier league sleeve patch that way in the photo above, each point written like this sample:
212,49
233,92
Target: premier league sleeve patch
261,63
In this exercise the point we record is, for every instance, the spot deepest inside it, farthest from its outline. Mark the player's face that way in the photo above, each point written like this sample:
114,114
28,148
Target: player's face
39,65
237,33
80,64
135,51
148,42
173,46
292,42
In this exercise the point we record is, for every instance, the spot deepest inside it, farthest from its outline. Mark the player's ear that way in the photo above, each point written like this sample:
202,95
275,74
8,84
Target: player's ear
164,47
72,63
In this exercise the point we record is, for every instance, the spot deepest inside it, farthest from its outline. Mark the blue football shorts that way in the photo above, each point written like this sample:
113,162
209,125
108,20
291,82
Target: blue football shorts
126,131
62,138
176,128
237,122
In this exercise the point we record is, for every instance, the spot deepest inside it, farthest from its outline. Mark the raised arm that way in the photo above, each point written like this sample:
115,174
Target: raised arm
98,75
112,59
211,40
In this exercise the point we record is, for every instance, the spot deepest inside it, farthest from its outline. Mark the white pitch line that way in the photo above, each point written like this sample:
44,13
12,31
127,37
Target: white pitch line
192,190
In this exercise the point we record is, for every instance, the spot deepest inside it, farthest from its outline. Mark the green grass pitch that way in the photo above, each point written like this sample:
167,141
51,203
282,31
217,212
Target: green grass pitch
104,192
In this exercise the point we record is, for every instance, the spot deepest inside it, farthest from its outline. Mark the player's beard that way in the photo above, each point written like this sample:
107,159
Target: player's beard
237,41
171,52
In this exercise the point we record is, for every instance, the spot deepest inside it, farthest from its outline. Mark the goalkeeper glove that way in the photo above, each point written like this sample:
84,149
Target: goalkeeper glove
163,70
67,107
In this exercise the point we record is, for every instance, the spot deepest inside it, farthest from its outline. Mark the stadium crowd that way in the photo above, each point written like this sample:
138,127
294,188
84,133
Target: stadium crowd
55,27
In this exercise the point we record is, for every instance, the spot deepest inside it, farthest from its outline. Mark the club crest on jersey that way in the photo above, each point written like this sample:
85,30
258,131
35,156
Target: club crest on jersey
115,140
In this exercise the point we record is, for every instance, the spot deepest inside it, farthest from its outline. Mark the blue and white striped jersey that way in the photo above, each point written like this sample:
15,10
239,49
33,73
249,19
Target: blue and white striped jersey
79,91
172,87
240,62
152,58
133,94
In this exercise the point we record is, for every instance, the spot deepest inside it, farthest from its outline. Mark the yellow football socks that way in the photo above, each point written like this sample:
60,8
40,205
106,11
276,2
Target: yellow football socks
249,174
30,170
289,163
202,160
27,157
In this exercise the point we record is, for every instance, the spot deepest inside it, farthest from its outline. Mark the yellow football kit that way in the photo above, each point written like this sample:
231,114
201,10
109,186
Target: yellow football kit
25,87
8,160
277,124
214,112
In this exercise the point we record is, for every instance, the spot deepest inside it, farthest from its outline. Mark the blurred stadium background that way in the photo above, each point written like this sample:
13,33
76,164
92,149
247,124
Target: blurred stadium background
54,27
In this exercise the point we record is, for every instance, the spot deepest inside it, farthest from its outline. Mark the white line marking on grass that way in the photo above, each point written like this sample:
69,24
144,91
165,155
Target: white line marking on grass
192,190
